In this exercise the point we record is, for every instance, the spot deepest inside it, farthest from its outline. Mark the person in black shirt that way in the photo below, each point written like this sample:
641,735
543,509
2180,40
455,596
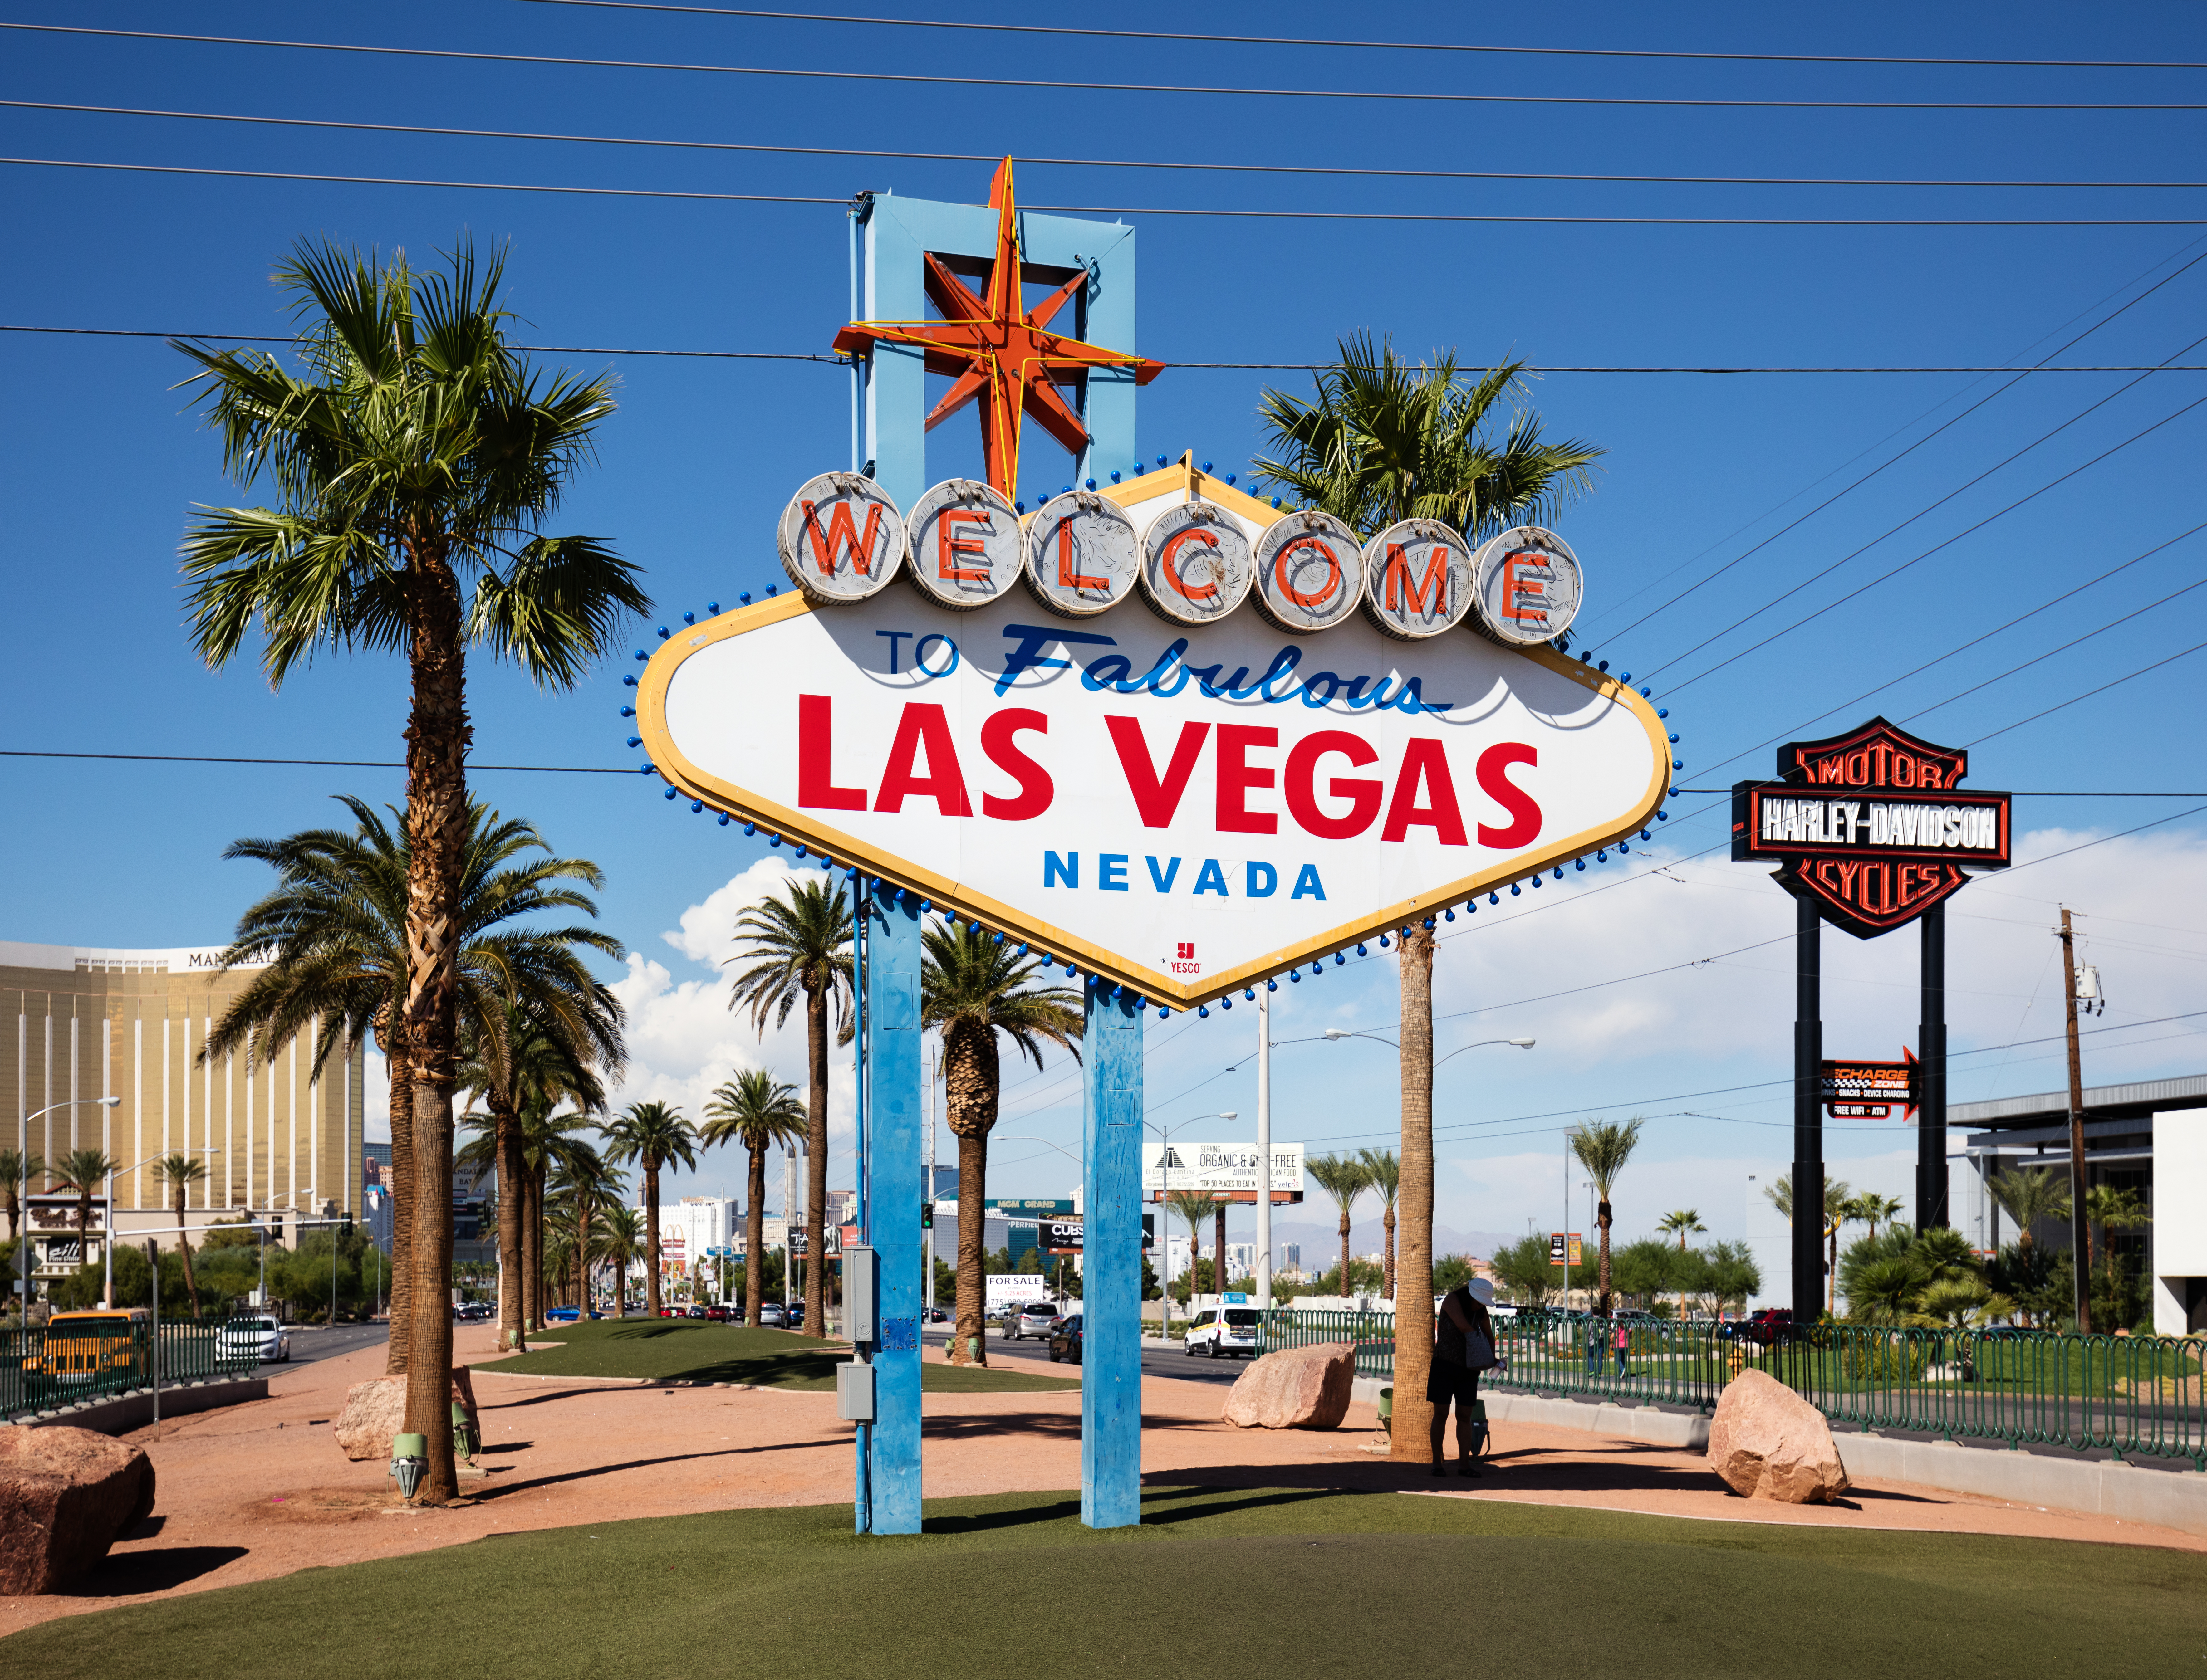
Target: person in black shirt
1464,1345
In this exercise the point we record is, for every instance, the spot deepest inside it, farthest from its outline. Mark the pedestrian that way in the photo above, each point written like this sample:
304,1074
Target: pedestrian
1463,1346
1621,1341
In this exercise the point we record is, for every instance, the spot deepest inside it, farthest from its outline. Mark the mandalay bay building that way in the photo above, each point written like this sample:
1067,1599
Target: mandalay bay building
78,1024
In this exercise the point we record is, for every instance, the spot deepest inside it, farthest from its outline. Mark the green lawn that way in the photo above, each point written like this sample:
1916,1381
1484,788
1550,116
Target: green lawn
1232,1584
695,1350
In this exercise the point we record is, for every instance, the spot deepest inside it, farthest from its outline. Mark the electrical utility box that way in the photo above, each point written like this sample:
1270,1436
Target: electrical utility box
854,1392
862,1294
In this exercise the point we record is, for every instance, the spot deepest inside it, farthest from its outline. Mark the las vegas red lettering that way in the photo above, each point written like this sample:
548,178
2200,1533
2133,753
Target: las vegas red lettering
1420,794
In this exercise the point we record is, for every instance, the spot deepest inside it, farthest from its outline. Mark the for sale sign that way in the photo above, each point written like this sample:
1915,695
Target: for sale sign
1185,801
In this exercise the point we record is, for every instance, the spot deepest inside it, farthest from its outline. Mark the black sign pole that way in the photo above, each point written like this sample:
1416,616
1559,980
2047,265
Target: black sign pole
1931,1209
1808,1113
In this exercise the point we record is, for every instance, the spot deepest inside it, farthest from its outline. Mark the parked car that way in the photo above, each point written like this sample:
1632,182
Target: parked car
472,1311
564,1315
258,1339
795,1314
1769,1327
1065,1340
936,1315
1227,1331
770,1312
1035,1318
722,1315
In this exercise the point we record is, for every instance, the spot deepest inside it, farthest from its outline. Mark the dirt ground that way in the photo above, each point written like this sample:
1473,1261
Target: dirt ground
260,1489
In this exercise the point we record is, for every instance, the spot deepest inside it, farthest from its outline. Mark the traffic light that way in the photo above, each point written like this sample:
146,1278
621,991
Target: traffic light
927,1214
346,1228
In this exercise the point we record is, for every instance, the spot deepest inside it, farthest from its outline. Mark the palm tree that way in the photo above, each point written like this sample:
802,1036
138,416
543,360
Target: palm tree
582,1186
416,455
2107,1208
1603,1147
523,1073
84,1171
623,1239
17,1170
1385,1176
973,985
2028,1194
798,946
1837,1194
1381,441
1344,1177
329,940
1684,1222
1194,1207
180,1171
756,1111
651,1134
1875,1209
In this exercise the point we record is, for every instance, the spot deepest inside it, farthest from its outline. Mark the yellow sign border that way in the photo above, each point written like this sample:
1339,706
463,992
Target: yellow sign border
806,830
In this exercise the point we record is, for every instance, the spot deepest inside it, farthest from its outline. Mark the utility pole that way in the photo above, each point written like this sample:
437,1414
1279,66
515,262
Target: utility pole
1265,1158
2079,1242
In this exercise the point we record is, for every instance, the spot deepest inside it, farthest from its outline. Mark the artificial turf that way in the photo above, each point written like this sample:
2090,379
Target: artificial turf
1233,1584
699,1351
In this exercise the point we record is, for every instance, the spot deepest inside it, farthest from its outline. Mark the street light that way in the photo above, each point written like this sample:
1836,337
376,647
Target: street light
107,1248
23,1155
1164,1190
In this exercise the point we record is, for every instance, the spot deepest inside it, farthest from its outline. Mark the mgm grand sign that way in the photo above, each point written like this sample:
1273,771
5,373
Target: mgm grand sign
1870,825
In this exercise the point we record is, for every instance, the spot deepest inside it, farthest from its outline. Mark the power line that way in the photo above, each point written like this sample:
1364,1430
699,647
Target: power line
1291,367
2096,580
1969,530
1901,455
919,78
1176,166
1182,35
330,763
2088,694
1213,214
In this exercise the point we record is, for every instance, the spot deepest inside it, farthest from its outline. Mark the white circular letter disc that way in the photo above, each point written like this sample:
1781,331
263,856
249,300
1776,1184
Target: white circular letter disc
841,538
966,545
1310,572
1417,579
1082,557
1528,587
1196,564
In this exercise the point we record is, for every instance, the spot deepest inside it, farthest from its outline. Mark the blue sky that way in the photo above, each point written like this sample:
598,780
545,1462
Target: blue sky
103,463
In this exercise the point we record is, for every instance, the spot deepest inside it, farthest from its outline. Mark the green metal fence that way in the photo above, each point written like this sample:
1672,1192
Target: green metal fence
2135,1397
42,1370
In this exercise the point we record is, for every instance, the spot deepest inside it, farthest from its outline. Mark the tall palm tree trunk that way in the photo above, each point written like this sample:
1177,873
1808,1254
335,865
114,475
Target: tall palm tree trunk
1414,1282
816,1161
970,1346
1346,1289
755,1237
437,740
651,1238
1218,1253
512,1219
1601,1224
184,1248
1388,1246
400,1347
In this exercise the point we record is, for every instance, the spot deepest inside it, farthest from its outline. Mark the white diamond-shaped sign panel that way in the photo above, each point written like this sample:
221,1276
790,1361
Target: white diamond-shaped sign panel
1180,809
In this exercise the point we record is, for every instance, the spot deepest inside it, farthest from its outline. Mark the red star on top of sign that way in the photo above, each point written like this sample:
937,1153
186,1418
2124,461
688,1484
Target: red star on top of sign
1007,359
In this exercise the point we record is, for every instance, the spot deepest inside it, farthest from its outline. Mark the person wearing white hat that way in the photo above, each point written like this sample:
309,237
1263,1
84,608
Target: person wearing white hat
1463,1346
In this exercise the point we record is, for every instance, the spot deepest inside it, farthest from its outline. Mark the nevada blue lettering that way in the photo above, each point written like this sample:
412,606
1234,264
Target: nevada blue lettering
1211,879
1056,869
1112,871
1307,884
1271,881
1162,880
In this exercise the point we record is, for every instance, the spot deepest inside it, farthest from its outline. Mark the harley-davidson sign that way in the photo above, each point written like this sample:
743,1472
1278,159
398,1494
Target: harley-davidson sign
1870,825
1873,1090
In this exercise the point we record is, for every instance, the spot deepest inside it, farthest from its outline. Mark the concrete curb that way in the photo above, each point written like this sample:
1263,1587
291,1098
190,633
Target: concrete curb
121,1413
2167,1498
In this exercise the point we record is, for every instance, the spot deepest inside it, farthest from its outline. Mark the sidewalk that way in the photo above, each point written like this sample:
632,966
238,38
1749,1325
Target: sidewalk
260,1489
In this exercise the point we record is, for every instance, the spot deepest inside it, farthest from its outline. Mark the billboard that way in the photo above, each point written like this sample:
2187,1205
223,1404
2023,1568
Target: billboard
1220,1169
1182,802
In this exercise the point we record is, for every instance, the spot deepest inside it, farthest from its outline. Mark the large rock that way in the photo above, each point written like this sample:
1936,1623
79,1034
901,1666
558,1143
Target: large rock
66,1495
1767,1443
1297,1388
375,1410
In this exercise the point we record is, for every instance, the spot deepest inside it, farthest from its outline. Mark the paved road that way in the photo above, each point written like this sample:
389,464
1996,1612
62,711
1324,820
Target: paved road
311,1343
1157,1361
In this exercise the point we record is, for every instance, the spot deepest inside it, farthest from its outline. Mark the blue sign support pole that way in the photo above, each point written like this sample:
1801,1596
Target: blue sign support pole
889,1211
1111,1283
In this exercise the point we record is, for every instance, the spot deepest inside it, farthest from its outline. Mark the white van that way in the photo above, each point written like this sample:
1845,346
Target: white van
1229,1330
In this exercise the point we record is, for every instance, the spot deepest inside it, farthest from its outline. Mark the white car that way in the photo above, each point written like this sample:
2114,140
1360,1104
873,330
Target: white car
254,1340
1227,1331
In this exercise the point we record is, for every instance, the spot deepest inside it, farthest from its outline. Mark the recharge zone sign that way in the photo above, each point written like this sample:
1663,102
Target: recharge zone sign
1291,741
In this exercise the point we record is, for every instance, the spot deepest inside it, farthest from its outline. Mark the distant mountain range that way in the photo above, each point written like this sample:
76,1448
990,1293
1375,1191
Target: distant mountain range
1321,1242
